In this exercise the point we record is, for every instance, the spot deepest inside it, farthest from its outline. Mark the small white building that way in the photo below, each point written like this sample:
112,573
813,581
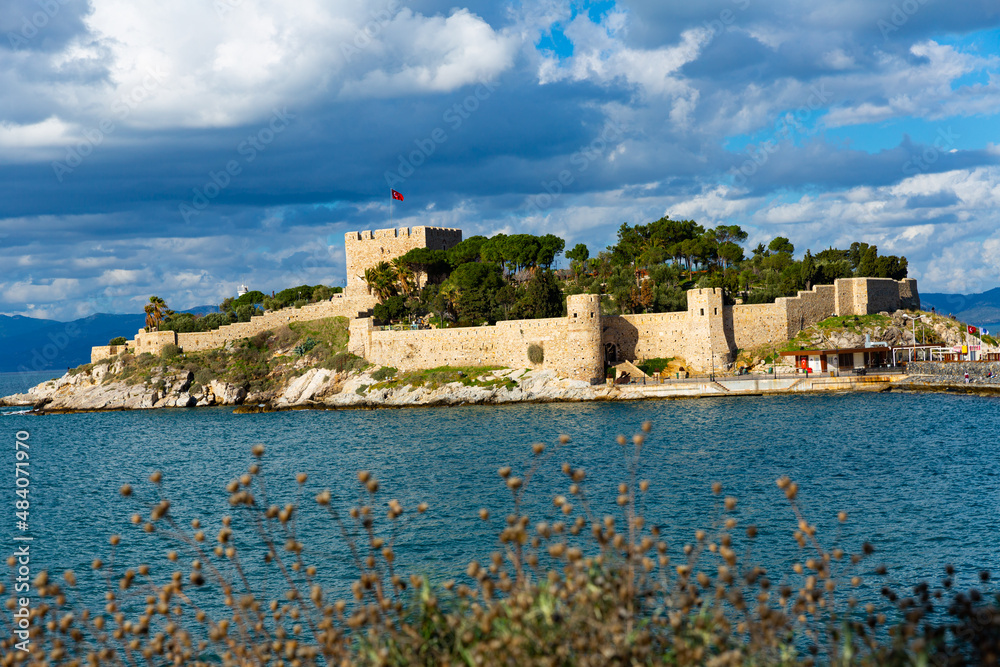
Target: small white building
243,289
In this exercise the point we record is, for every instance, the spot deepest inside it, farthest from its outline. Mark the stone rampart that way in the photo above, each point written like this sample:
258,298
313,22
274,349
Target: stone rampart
653,336
153,341
105,352
570,345
909,298
866,296
756,324
367,248
350,307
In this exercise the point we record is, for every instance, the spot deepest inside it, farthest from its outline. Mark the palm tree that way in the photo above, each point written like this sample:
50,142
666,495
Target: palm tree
449,294
155,310
381,281
404,275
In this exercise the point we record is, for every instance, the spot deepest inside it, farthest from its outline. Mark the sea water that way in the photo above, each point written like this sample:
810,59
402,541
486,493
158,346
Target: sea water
916,473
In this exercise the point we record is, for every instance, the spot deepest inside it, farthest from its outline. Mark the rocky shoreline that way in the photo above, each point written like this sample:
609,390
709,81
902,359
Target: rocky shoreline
319,388
315,388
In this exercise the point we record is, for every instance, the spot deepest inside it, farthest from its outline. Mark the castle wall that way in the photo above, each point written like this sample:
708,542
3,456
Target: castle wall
367,248
640,337
571,344
909,298
105,352
152,341
756,324
349,307
808,308
865,296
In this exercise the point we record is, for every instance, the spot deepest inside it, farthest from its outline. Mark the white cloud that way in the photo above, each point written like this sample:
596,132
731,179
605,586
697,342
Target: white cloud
601,55
30,291
188,64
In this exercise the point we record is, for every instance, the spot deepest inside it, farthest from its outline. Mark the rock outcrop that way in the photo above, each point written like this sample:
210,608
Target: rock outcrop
316,387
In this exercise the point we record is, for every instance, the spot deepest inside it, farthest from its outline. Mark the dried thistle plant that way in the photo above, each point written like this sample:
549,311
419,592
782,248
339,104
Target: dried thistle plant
581,590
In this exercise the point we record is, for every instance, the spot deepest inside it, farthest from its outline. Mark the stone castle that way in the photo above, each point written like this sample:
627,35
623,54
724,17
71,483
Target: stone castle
580,345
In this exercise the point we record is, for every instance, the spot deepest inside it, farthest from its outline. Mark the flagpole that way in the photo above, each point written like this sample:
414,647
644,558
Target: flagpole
390,207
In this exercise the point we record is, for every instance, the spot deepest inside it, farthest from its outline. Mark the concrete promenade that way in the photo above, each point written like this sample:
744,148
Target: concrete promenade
757,385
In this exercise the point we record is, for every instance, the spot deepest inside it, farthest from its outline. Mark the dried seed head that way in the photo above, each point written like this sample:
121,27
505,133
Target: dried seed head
563,439
730,503
638,439
126,490
364,476
257,450
484,514
751,531
422,507
115,539
514,483
504,472
621,440
647,426
644,485
323,497
842,516
538,448
783,482
156,477
372,486
301,478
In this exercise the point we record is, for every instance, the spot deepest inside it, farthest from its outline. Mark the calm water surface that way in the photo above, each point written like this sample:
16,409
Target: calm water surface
918,474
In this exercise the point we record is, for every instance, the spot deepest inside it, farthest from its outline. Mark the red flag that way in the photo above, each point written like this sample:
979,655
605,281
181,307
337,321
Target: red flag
397,196
973,330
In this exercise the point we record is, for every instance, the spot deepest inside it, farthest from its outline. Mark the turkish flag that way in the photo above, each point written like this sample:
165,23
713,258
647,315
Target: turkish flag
397,196
973,330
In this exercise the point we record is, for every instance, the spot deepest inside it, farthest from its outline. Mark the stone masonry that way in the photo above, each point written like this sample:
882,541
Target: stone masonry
368,248
579,345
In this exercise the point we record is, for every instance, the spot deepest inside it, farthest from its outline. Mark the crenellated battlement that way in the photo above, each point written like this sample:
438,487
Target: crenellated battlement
365,249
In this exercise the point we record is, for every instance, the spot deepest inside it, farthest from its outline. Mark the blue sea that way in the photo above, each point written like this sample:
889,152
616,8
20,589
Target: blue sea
918,475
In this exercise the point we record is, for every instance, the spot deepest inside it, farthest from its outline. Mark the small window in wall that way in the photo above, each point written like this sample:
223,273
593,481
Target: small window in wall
591,316
715,311
702,311
574,314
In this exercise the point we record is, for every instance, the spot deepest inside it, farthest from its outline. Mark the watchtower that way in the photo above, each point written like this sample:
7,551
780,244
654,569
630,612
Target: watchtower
367,248
584,354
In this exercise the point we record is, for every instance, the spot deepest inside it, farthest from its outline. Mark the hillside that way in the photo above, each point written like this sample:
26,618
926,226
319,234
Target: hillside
851,332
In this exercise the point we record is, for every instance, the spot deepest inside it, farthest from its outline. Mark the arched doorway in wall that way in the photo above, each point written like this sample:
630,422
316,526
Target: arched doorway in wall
610,354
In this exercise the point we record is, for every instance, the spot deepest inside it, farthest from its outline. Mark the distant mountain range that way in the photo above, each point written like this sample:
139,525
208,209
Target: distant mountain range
39,345
975,309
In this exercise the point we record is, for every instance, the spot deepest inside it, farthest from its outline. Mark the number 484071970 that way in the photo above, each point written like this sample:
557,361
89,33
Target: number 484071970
22,480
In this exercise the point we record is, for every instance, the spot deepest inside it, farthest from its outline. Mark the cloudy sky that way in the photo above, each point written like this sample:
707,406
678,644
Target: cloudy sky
181,148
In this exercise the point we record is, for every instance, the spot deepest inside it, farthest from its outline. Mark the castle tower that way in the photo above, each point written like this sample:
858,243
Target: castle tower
366,249
706,345
584,354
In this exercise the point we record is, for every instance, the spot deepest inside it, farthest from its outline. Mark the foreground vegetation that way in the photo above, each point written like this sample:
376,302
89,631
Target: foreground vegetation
582,590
